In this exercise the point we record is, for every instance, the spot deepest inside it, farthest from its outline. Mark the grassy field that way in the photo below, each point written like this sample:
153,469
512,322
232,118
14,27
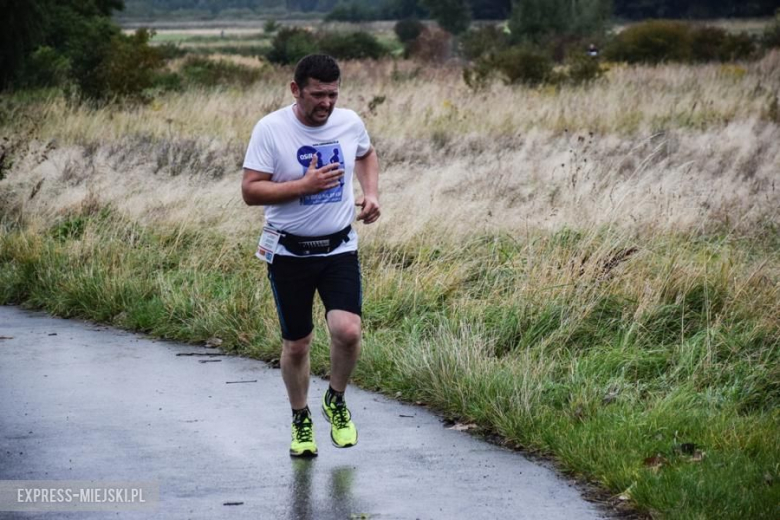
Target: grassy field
205,38
591,273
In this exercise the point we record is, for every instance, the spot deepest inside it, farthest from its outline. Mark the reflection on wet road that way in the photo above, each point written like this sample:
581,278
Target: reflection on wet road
335,501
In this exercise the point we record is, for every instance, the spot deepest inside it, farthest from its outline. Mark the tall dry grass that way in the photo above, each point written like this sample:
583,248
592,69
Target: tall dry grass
672,147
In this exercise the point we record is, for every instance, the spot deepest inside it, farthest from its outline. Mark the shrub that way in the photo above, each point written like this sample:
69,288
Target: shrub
433,45
583,68
771,38
716,44
170,51
737,47
204,72
454,16
89,48
707,43
167,82
408,30
663,40
271,26
523,65
654,41
291,44
483,42
45,68
131,65
351,46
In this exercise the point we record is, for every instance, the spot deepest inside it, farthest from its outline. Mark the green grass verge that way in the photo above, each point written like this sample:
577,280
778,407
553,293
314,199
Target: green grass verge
653,372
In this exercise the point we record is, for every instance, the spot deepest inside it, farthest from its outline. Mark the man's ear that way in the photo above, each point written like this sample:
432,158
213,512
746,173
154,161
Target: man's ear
296,92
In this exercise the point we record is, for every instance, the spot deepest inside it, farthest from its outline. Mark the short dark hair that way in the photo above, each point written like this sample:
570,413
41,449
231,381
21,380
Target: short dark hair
318,66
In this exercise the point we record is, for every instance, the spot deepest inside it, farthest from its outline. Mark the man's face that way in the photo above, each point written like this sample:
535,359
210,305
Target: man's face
316,101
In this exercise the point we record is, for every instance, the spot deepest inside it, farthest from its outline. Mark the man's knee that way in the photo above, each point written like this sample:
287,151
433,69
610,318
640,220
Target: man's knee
345,329
297,349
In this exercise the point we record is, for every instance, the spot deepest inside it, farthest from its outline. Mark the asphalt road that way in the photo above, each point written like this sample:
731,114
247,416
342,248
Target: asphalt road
82,402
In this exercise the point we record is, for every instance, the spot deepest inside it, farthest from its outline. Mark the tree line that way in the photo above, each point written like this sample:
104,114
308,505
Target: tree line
478,9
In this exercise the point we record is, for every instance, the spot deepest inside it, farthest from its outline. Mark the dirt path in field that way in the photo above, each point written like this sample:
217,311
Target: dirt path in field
85,402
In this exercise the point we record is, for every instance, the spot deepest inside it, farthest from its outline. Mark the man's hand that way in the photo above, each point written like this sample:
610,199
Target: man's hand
369,209
317,180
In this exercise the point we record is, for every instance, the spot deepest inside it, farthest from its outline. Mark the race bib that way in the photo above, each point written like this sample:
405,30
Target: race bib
266,247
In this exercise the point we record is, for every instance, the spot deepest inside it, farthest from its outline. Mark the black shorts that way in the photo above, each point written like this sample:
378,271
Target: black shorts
294,279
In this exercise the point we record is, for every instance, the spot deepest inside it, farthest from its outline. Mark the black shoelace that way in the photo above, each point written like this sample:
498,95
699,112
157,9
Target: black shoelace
303,430
340,416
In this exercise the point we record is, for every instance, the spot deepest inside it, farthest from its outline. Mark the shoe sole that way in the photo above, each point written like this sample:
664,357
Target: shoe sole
305,454
332,440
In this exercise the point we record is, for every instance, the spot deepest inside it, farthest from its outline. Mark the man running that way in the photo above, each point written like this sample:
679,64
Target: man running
299,165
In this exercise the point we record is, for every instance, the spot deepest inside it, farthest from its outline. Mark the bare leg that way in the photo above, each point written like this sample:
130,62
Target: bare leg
295,370
345,333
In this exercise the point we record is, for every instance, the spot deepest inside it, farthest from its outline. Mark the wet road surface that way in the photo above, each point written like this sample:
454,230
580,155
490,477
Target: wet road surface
86,402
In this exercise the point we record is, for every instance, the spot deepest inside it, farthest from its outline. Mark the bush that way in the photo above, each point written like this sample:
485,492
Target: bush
523,65
351,46
771,38
654,41
291,44
707,43
716,44
408,30
170,51
738,47
167,82
483,42
45,68
271,26
89,49
433,45
658,41
204,72
583,68
131,64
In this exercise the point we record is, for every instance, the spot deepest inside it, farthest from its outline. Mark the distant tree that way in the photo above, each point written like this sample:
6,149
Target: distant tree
490,9
74,40
454,16
22,29
534,20
408,30
351,12
642,9
403,9
291,44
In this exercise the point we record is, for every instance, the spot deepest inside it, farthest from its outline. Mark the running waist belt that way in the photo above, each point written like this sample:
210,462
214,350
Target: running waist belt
303,246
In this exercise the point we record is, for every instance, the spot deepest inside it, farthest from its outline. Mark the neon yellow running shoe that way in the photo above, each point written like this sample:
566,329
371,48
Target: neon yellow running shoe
303,444
343,432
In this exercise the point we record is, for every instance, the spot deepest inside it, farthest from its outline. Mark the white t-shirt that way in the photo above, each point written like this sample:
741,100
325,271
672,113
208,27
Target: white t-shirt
283,146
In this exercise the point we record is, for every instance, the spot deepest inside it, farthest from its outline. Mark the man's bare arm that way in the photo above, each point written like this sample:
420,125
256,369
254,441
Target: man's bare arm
258,189
367,172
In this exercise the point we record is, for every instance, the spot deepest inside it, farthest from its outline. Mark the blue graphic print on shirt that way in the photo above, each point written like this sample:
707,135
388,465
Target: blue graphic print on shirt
333,154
